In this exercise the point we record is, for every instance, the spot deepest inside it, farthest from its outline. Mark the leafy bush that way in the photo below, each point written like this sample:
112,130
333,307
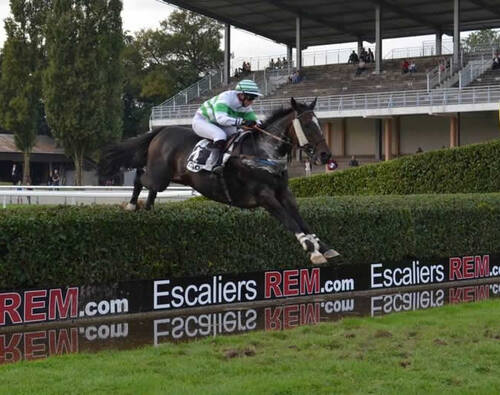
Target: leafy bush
65,245
470,169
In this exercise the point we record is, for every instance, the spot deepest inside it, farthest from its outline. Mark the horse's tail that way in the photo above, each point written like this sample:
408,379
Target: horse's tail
130,154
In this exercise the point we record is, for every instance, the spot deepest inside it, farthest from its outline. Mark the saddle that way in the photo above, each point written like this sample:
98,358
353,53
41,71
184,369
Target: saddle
202,157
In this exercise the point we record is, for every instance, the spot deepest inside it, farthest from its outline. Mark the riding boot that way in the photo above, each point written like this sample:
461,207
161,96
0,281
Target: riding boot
217,148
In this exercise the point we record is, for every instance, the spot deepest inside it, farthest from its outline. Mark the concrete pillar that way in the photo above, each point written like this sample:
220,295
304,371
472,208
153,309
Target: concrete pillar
342,137
456,31
388,139
360,47
227,53
439,43
298,41
378,139
289,58
328,135
378,38
453,131
396,136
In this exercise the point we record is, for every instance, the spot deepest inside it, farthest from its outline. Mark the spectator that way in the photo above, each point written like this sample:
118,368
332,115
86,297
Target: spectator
353,58
419,150
496,62
331,164
296,77
284,62
307,167
271,64
371,57
237,72
405,66
15,174
363,55
413,67
353,162
278,63
56,180
361,67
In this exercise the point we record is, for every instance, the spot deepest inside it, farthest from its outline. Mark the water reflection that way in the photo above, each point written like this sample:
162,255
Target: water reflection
132,333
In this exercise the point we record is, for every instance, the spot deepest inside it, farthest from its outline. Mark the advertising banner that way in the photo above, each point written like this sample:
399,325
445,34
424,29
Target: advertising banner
19,344
71,303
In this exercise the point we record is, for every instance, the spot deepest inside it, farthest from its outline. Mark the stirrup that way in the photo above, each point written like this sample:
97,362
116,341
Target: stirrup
218,169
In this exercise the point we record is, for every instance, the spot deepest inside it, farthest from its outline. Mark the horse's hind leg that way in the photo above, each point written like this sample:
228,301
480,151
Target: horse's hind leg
132,205
151,199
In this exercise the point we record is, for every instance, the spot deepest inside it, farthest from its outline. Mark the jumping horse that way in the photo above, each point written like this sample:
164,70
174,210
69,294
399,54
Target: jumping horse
255,174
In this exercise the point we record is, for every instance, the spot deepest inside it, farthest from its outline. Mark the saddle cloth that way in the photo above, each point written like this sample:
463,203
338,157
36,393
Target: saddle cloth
202,157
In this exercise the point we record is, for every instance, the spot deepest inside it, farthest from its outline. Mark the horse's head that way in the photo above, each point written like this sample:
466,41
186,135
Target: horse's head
309,134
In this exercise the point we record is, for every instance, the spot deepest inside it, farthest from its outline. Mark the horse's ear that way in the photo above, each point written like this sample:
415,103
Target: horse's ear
293,103
313,104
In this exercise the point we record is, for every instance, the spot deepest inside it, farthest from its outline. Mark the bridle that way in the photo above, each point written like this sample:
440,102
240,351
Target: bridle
303,143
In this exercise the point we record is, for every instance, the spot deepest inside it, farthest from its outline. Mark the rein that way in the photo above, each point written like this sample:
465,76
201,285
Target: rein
308,148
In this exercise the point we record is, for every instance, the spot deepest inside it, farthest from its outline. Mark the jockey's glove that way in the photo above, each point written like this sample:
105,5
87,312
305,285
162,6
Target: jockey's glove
249,123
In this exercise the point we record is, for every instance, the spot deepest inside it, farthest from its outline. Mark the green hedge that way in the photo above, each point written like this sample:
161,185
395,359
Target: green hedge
83,245
470,169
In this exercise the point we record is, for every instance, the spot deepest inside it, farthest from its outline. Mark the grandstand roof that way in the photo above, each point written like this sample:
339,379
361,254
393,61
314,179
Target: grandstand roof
340,21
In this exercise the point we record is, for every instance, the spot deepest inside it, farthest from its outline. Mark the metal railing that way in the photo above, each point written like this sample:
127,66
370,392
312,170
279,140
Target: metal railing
213,80
414,98
41,194
473,70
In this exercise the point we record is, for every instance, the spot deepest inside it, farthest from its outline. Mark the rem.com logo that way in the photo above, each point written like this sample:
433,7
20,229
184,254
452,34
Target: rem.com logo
50,305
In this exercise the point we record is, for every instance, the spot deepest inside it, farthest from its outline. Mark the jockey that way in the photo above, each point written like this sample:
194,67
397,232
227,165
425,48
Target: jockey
220,116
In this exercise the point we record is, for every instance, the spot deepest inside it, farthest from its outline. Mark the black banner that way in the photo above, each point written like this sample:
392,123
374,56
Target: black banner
130,333
56,304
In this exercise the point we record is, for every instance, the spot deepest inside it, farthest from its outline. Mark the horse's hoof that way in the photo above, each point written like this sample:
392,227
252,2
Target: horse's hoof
331,253
130,207
317,258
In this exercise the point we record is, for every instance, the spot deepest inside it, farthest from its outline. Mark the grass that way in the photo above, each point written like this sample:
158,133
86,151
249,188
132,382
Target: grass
454,349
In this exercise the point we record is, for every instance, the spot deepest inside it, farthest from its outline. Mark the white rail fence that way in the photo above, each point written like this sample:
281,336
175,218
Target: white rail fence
39,194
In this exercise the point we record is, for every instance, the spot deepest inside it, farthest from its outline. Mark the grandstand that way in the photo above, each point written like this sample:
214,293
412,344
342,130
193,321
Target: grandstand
382,113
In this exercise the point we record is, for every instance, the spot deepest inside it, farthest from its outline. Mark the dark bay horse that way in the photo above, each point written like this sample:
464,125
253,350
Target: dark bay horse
254,176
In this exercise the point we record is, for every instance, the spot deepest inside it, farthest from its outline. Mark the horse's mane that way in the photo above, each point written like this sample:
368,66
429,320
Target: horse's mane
276,114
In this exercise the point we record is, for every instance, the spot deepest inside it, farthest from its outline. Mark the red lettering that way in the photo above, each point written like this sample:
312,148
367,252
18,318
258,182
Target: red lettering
468,267
310,313
9,303
56,304
290,316
30,304
61,344
482,292
272,283
309,284
455,295
290,282
10,352
482,266
455,266
31,347
468,294
273,321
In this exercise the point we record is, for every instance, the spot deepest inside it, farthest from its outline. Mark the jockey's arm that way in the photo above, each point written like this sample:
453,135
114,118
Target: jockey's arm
223,118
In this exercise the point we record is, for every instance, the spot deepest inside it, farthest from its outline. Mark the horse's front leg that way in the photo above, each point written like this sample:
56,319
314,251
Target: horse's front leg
289,203
268,200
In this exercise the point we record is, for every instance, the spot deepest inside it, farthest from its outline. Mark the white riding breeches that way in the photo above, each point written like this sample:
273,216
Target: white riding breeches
208,130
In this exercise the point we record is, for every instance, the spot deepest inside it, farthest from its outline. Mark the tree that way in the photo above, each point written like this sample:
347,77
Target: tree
83,80
162,62
486,38
20,80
